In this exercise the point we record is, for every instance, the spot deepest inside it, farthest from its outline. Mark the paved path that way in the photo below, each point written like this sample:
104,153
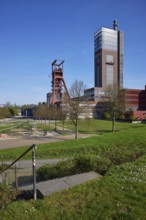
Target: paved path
27,164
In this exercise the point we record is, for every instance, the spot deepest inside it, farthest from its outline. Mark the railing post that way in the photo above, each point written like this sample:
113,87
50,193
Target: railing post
34,171
1,179
16,178
6,178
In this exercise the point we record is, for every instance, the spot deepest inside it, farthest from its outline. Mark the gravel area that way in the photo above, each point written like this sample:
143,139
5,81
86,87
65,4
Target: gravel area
21,141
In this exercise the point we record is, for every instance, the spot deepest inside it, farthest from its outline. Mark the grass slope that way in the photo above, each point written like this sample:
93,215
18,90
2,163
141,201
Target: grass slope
120,194
125,139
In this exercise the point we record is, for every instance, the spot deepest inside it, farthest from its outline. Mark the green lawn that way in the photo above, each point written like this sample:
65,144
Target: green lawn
10,126
129,138
98,126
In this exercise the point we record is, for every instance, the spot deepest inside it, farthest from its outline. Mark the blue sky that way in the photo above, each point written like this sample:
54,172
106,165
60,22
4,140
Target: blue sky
35,32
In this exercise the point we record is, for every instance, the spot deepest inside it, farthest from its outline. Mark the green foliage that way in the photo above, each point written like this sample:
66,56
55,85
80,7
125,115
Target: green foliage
62,168
44,127
79,164
7,195
121,117
101,161
8,111
4,113
106,115
13,111
86,163
131,117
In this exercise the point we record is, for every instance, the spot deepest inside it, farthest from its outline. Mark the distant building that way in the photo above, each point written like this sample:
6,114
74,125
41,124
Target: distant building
49,95
135,100
108,57
108,61
28,112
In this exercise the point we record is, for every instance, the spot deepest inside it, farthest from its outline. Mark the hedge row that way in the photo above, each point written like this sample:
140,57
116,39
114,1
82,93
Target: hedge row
79,164
107,157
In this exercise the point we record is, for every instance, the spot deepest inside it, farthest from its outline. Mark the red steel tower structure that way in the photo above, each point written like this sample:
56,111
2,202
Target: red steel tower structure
58,83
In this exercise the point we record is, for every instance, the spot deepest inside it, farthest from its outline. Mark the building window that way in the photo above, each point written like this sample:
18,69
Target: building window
109,75
109,59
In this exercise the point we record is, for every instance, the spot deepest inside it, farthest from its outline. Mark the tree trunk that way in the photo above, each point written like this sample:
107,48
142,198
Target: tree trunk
49,124
113,123
55,124
63,126
76,130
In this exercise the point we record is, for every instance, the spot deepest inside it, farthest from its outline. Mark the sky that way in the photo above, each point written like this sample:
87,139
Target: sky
33,33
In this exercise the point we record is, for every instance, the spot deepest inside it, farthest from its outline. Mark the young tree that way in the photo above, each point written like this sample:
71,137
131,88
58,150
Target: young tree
4,112
114,103
54,114
76,103
62,115
41,112
13,110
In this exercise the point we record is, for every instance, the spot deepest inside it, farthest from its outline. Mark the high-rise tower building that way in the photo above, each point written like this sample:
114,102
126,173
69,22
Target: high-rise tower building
108,57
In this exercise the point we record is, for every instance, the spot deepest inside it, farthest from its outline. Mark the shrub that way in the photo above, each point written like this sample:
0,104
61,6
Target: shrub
102,165
131,118
62,168
121,117
80,164
106,115
7,195
86,163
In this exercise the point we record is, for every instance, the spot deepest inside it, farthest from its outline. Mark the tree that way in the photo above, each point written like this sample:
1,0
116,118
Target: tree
50,114
41,112
54,113
4,113
8,110
115,102
13,110
76,103
62,116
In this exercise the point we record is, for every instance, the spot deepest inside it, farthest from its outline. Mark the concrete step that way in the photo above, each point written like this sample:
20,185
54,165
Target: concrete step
58,184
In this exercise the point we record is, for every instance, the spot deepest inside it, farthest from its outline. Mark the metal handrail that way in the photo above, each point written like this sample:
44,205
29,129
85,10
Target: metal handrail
33,146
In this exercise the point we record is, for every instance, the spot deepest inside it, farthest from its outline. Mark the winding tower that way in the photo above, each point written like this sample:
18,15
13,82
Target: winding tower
58,83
